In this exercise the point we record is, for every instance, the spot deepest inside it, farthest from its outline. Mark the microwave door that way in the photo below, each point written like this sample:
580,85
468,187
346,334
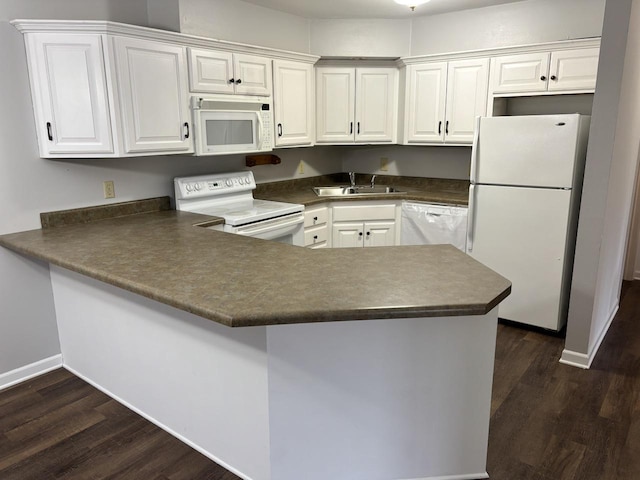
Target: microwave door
229,132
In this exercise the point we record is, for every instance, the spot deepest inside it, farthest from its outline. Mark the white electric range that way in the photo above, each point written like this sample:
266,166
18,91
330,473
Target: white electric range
230,196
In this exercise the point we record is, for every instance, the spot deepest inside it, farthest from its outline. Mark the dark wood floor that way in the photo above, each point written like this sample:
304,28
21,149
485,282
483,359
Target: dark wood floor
548,421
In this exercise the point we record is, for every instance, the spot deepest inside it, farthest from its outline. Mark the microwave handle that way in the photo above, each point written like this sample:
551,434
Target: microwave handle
260,126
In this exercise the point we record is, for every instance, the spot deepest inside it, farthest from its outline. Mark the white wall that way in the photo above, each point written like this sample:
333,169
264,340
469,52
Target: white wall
360,38
436,162
164,14
29,185
608,185
519,23
243,22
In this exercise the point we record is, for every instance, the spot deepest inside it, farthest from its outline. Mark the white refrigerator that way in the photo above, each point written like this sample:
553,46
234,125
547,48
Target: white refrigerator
526,180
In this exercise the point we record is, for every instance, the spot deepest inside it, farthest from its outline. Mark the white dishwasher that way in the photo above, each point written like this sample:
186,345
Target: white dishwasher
428,224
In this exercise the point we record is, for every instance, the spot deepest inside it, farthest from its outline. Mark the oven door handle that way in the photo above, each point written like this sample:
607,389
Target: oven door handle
267,226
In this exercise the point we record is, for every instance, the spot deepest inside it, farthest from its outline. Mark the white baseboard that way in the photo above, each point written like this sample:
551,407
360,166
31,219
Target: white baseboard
583,360
21,374
159,424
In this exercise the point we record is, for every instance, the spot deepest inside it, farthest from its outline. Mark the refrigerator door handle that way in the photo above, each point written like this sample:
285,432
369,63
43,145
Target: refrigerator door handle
474,152
471,218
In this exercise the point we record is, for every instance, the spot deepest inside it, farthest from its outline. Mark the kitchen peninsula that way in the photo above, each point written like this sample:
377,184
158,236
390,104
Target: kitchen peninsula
372,364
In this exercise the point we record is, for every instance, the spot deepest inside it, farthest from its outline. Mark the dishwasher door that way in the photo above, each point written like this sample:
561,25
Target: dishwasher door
427,224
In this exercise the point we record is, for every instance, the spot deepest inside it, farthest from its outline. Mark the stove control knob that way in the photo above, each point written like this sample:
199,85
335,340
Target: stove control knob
188,187
247,180
197,187
229,182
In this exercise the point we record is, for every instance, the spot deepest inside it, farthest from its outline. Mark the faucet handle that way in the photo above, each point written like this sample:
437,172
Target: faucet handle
373,181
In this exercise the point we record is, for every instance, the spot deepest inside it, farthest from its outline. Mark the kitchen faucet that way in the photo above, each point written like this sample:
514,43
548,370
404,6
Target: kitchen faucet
352,179
373,181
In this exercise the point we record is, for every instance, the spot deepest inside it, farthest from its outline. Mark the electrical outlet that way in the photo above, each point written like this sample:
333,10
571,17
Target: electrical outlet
384,164
301,167
109,189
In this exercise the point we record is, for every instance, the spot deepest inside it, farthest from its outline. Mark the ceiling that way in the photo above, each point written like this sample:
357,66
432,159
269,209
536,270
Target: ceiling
370,8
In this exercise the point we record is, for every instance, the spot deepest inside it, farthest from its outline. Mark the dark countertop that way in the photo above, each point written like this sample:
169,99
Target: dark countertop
430,190
240,281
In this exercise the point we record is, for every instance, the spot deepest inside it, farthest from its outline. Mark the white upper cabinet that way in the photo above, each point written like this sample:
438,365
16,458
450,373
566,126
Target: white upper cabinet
152,84
293,97
467,87
376,104
520,73
556,71
573,69
356,105
214,71
443,99
425,102
69,90
335,106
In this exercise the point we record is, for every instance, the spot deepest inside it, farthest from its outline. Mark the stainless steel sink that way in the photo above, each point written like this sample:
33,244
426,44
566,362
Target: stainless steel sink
346,190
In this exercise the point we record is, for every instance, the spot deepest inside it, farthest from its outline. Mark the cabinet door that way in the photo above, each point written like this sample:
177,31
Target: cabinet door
293,103
425,101
252,75
210,71
69,93
152,80
520,73
379,234
347,235
376,112
467,85
335,99
574,69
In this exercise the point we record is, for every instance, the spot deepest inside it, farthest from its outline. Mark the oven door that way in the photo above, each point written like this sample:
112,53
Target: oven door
289,229
222,131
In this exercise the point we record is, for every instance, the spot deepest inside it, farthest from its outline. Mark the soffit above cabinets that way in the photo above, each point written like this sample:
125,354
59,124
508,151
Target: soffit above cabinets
123,29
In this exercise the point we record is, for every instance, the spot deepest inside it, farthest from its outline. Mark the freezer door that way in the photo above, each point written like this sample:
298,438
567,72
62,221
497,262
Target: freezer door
521,233
536,150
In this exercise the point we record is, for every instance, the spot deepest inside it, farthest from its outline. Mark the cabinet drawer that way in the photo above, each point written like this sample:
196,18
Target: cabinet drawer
368,212
315,235
316,216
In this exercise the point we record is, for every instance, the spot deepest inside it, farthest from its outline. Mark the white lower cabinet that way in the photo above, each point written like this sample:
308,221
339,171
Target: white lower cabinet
364,225
364,234
316,227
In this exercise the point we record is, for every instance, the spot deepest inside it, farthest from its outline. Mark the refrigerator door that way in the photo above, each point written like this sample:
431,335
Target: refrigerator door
521,233
536,150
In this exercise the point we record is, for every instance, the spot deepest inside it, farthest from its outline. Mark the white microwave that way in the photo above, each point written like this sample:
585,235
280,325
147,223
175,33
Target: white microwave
227,124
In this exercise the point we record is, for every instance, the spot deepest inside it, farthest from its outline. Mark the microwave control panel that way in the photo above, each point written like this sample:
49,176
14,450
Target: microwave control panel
266,140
